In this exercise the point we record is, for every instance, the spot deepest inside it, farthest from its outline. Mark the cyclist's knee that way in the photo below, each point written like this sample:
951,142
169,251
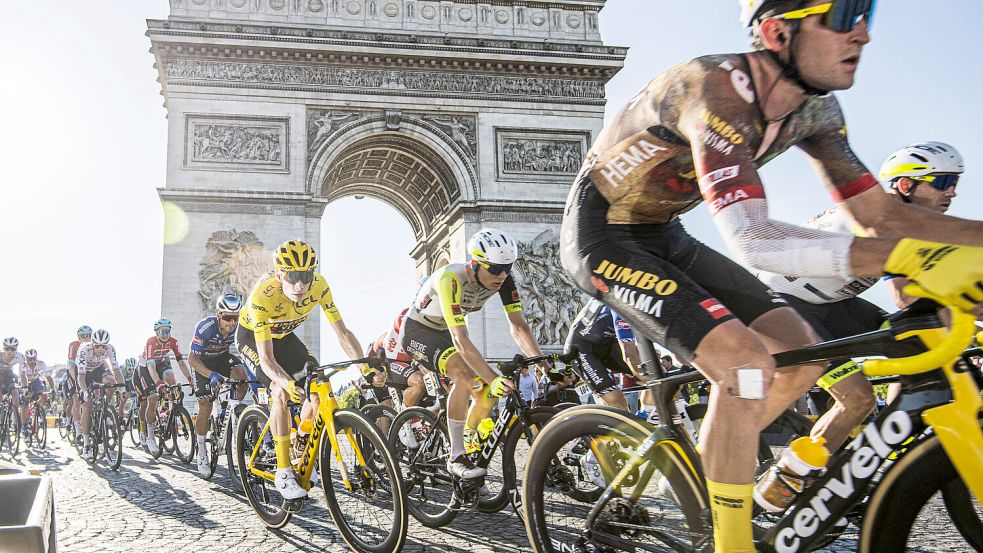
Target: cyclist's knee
734,359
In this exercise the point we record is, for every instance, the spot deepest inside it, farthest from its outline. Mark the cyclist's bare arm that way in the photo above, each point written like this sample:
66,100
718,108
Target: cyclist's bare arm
197,365
523,336
185,370
346,339
472,357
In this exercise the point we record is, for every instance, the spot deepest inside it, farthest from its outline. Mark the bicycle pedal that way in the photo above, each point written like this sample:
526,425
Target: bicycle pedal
293,505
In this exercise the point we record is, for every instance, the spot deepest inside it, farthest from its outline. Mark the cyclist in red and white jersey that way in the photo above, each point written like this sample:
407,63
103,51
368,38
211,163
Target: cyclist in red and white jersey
154,362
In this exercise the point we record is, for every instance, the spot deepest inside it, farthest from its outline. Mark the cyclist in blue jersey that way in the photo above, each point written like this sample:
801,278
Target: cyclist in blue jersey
212,361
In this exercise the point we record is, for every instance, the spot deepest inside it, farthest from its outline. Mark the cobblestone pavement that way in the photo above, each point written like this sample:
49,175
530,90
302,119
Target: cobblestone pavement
163,506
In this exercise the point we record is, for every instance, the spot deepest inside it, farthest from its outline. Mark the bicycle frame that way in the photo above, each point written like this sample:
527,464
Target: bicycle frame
320,385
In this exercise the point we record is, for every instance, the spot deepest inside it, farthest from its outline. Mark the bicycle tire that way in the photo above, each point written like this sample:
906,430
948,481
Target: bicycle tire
134,427
894,505
112,439
511,495
230,453
423,468
211,445
356,536
679,509
183,435
12,429
40,428
63,425
249,428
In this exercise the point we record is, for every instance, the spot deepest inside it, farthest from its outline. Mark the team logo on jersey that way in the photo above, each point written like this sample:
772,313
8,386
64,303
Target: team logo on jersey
270,289
710,179
599,284
721,127
456,309
515,295
623,324
722,199
621,165
740,81
637,278
715,308
392,344
642,302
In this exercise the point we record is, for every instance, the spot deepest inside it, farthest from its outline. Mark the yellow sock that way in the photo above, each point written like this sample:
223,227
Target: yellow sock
731,506
282,446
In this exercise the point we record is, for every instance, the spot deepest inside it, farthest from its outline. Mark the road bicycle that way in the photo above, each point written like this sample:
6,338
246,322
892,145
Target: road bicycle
106,436
433,496
37,423
175,432
10,424
220,437
927,441
362,488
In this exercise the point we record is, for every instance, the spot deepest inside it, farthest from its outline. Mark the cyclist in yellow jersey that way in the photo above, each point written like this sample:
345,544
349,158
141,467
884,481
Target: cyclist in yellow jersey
437,337
277,305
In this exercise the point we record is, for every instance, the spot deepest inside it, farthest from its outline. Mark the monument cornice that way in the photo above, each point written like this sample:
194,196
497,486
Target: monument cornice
307,37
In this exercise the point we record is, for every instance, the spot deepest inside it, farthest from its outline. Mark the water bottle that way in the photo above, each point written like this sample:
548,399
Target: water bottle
776,488
642,414
485,428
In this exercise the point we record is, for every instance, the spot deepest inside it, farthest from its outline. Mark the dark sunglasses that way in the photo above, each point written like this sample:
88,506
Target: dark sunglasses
496,268
9,349
229,318
840,15
293,277
939,182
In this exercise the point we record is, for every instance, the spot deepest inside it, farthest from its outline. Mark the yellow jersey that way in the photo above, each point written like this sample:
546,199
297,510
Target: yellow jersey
271,314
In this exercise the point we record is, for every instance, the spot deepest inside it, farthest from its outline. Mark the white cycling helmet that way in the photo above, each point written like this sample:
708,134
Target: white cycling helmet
11,342
919,160
493,246
31,353
228,303
100,337
749,9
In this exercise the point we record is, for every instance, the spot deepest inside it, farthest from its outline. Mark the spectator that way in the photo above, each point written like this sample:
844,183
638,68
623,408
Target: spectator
528,387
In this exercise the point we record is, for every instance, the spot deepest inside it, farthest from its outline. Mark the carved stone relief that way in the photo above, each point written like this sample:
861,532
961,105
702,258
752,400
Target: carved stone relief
236,143
460,129
550,299
541,153
322,123
481,86
233,262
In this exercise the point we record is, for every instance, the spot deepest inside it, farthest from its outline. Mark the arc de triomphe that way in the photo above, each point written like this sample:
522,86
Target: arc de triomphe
459,114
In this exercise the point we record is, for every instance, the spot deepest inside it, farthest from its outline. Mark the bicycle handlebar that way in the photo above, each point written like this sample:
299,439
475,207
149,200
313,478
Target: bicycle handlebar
380,362
959,337
519,361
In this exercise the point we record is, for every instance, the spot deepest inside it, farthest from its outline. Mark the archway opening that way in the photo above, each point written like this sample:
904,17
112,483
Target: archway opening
364,255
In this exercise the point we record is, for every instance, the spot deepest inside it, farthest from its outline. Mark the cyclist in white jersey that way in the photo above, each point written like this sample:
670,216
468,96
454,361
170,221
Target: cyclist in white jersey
831,305
8,376
34,374
437,337
92,360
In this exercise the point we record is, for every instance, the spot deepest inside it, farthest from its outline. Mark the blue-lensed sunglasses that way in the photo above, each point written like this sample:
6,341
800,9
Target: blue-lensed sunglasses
496,268
840,15
939,182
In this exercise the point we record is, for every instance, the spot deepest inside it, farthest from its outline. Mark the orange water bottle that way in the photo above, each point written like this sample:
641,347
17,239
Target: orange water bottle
777,488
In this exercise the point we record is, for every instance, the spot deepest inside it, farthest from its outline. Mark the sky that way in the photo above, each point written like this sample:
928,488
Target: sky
83,153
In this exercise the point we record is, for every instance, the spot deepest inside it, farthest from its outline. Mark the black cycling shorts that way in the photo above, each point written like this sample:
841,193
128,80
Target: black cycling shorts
599,362
222,364
668,285
69,386
144,382
429,347
836,320
289,351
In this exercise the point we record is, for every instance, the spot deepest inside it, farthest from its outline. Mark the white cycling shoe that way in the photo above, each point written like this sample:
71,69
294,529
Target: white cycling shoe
407,438
152,447
592,469
287,485
87,453
204,467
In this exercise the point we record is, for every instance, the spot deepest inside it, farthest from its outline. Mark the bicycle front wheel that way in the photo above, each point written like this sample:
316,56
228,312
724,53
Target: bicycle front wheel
183,435
39,427
11,430
261,494
231,429
421,447
134,425
368,508
112,439
660,500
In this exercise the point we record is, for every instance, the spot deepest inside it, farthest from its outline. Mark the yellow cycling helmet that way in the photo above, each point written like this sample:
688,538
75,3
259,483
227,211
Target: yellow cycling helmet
294,255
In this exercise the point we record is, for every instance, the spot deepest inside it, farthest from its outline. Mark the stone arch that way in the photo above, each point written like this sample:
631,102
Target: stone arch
415,169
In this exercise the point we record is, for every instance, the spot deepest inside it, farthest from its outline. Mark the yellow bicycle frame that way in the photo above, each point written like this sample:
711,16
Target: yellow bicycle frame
956,423
325,417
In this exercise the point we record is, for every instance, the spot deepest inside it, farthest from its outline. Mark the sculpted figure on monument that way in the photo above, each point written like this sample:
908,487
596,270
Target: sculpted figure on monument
461,130
550,299
233,262
325,123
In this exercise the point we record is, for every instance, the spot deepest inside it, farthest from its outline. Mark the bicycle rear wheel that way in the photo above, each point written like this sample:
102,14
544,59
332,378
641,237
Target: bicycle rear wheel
421,448
515,452
134,426
381,416
112,439
183,435
11,431
666,516
260,493
231,429
368,511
